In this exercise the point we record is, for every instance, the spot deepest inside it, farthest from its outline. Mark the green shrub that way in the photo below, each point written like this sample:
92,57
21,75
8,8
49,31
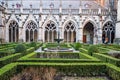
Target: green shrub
20,48
92,49
77,46
10,51
33,44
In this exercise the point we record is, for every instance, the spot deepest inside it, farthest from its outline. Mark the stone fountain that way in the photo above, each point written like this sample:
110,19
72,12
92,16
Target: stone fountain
58,40
58,48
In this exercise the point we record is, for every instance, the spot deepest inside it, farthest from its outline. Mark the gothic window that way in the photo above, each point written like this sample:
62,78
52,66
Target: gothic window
70,32
31,32
108,32
50,26
50,32
13,31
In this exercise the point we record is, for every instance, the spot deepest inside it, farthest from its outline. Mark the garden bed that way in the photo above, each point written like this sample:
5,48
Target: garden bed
49,70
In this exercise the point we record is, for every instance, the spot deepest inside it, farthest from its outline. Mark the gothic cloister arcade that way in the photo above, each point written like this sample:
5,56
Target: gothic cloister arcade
88,33
13,31
50,32
31,31
70,32
108,32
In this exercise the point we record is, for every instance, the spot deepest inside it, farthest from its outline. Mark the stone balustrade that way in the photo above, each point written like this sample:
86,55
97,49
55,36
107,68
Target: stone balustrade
64,11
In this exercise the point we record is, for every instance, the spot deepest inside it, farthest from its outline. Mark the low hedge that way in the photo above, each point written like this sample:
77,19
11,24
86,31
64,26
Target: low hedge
8,59
38,45
83,50
7,71
30,58
3,53
80,69
57,60
64,55
113,72
31,49
78,55
13,57
86,56
107,58
69,69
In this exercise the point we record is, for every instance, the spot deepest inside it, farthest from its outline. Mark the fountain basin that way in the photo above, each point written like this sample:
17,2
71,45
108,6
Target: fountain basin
58,49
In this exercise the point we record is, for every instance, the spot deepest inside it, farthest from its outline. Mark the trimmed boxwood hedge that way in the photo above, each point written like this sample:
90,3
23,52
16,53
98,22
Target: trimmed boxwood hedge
83,50
107,58
31,58
11,58
7,71
113,71
57,60
80,69
8,59
86,56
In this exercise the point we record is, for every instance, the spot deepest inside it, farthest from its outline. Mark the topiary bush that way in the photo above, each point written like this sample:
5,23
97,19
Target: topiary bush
92,49
20,48
77,46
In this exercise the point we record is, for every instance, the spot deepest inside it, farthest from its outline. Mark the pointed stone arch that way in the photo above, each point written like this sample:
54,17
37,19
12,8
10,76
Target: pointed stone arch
108,32
69,31
90,32
49,19
31,31
50,31
13,30
12,17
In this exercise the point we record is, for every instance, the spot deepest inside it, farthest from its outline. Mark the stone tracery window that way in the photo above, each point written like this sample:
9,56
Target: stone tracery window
31,32
50,32
70,32
13,31
108,32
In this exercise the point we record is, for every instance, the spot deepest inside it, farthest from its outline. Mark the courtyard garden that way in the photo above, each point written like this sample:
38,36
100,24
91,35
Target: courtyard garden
68,61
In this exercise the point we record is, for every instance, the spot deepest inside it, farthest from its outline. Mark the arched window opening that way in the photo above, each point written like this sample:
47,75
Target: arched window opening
70,32
31,32
50,32
13,32
108,33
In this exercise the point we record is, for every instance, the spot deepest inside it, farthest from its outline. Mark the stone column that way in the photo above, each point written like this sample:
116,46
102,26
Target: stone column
67,36
52,36
80,30
22,33
99,30
40,29
7,33
117,33
48,34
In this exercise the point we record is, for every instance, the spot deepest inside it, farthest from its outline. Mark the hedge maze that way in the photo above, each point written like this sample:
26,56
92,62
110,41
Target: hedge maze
90,61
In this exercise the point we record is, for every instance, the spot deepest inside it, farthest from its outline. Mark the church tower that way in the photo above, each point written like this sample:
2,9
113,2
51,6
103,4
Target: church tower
117,35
